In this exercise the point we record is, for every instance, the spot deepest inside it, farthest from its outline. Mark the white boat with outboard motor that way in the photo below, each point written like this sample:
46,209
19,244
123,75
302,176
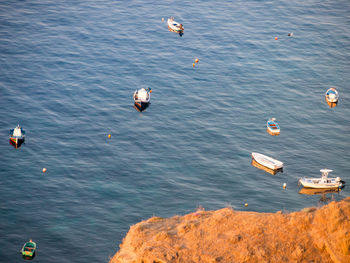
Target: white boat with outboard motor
267,161
322,183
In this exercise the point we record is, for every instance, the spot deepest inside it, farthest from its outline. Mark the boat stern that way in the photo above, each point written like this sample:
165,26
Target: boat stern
28,253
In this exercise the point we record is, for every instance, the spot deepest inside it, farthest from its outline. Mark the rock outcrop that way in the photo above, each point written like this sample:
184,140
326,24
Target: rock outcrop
311,235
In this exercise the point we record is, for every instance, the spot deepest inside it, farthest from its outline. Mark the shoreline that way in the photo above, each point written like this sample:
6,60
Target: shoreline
225,235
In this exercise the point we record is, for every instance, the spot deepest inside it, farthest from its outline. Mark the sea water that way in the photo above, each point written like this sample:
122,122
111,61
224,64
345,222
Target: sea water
68,72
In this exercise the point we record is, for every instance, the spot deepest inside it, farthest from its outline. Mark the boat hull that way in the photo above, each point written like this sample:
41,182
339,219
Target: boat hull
331,104
16,142
315,191
264,168
141,106
272,132
318,184
267,161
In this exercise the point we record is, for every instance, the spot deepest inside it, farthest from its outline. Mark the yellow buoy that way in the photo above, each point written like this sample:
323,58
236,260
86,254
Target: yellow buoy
109,136
246,204
197,60
193,64
44,170
284,185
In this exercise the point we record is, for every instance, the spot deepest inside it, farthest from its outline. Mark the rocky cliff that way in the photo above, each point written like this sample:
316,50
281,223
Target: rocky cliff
310,235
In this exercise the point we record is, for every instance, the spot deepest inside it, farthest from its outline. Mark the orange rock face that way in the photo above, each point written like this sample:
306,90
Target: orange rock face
310,235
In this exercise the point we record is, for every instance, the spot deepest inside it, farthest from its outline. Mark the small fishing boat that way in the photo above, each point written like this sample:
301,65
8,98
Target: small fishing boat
332,95
322,183
17,136
175,26
142,98
28,249
267,161
272,127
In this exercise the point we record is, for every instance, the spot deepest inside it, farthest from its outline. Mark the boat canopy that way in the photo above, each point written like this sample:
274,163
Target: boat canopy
143,95
17,132
326,171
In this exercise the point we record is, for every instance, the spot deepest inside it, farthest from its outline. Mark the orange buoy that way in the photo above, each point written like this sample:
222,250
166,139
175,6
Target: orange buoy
197,60
109,136
276,38
284,185
162,19
44,170
193,64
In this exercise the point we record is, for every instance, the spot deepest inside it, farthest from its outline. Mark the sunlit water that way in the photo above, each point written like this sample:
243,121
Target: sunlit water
68,72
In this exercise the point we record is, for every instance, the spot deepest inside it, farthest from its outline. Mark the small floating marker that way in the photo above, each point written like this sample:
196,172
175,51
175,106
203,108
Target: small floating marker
290,34
197,60
276,38
162,19
44,170
193,64
284,185
109,136
246,204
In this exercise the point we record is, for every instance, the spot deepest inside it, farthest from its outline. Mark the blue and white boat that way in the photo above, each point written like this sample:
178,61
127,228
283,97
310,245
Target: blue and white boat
332,95
322,183
272,127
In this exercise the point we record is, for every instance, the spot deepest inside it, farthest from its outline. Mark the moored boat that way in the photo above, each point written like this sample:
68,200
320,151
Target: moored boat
267,161
272,127
28,249
142,98
322,183
175,26
332,95
17,136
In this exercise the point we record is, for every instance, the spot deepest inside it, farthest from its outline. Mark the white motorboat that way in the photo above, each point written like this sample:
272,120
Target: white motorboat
272,127
267,161
175,26
332,95
17,136
322,183
142,98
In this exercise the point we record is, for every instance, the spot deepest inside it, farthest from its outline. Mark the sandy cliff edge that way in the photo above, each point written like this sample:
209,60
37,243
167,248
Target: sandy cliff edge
225,235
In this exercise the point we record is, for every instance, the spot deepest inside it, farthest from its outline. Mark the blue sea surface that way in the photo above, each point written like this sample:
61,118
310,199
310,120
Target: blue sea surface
68,70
